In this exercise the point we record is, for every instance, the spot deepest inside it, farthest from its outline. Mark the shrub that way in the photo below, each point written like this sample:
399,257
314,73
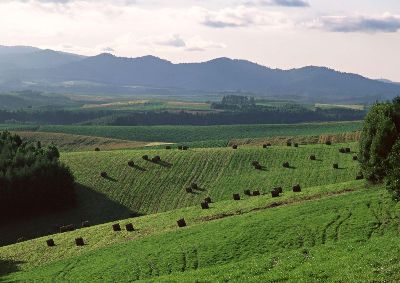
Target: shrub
335,166
256,193
167,147
185,147
32,179
289,143
180,147
347,149
296,145
131,163
355,157
194,186
85,224
342,150
97,149
265,145
189,190
312,157
208,199
247,192
234,146
103,174
286,164
255,163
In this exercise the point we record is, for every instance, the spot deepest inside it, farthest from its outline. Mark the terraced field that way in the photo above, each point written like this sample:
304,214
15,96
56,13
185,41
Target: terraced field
306,237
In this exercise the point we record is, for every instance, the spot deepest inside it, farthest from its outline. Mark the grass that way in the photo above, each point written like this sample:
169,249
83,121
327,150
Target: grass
204,133
151,188
309,239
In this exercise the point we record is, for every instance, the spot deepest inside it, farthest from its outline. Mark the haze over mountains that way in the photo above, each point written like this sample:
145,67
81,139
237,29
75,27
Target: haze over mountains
48,70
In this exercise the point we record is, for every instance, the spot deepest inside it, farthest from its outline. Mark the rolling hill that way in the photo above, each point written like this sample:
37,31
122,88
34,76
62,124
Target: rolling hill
56,71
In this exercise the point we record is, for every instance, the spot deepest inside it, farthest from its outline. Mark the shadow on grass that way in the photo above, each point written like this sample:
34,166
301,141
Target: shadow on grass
8,266
91,205
137,167
110,179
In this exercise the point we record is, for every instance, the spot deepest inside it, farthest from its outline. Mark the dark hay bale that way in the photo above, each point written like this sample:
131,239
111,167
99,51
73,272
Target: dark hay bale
278,189
355,157
208,199
97,149
145,157
103,174
50,243
189,190
167,147
185,147
286,165
348,149
258,167
85,224
360,177
194,186
180,147
67,228
255,163
328,143
129,227
256,193
204,205
296,145
116,227
274,194
156,159
342,150
297,188
181,223
236,196
335,166
131,163
234,146
79,242
312,157
289,143
247,192
265,145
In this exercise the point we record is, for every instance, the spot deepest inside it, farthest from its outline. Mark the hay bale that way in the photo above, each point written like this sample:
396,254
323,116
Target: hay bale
328,143
145,157
116,227
50,243
103,174
181,223
312,157
85,224
236,196
247,192
258,167
189,190
204,205
355,157
342,150
296,145
156,159
289,143
268,144
234,146
265,145
67,228
335,166
255,163
296,188
348,149
278,189
167,147
194,186
129,227
208,199
274,194
185,147
256,193
180,147
97,149
131,163
79,242
286,165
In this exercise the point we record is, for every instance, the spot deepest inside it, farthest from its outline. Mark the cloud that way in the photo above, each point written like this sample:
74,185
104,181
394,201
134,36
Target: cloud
241,16
108,49
174,40
386,23
284,3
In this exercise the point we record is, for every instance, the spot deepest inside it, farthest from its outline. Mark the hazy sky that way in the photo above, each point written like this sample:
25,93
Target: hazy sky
361,36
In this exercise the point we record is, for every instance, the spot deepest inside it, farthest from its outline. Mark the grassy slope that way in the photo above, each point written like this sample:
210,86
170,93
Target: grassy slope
69,142
356,233
219,173
204,133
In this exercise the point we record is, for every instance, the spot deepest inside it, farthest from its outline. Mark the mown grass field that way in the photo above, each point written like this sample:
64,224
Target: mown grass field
339,233
151,188
204,133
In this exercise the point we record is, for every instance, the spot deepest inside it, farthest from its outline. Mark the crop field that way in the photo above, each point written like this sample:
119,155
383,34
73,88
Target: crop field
303,237
150,187
205,133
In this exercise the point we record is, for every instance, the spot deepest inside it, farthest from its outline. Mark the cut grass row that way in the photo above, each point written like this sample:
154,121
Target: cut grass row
204,133
304,242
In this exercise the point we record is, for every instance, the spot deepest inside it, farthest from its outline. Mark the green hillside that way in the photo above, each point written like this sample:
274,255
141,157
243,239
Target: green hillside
306,237
204,133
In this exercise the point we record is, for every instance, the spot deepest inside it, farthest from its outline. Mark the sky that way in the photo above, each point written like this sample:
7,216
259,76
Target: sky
359,36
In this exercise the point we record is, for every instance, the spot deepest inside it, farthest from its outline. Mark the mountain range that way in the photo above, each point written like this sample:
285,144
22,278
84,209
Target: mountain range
24,67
